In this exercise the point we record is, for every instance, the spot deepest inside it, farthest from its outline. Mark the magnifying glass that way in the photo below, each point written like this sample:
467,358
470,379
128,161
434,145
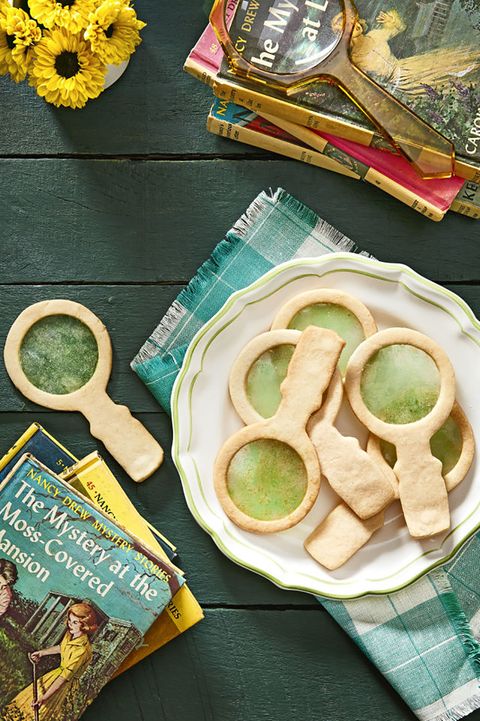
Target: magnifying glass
401,386
59,355
342,533
254,386
329,308
267,475
290,45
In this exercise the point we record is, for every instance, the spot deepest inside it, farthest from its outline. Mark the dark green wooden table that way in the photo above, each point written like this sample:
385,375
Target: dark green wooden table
116,206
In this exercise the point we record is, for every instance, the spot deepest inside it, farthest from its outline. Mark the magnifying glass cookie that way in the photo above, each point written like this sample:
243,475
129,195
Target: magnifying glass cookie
405,405
267,475
59,355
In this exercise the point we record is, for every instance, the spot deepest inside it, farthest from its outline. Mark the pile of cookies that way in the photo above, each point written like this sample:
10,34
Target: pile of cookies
288,385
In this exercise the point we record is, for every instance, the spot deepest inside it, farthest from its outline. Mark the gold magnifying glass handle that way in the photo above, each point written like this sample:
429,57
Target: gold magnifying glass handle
427,150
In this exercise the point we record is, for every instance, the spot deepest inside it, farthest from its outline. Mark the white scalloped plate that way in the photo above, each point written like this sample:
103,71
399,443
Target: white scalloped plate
203,417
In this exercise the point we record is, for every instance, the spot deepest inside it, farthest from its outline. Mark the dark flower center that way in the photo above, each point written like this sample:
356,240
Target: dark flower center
11,41
66,3
109,31
66,64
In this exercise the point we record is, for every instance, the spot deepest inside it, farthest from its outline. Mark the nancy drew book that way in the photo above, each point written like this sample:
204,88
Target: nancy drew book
77,595
388,172
425,53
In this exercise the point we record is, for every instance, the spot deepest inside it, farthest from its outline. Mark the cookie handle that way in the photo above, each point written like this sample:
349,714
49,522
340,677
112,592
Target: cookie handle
422,490
340,535
309,374
351,472
129,442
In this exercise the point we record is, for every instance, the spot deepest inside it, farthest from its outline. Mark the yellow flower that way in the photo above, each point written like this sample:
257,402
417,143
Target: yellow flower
18,34
69,14
114,31
64,70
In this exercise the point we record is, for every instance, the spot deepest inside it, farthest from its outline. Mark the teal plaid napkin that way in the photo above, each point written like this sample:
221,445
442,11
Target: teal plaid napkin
423,638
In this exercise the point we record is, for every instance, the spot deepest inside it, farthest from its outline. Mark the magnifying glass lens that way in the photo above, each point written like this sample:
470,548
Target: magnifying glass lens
400,384
334,317
59,354
267,480
265,378
282,37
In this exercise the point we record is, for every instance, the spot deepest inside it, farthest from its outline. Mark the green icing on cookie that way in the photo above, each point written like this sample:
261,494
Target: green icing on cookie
389,452
265,377
59,354
400,384
267,480
334,317
446,445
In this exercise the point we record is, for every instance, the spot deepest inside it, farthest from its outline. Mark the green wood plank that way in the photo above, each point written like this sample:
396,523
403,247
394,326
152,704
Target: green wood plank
213,578
130,313
154,109
156,221
255,666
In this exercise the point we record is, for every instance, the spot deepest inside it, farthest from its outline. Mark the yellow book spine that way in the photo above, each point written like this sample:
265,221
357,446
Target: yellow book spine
199,72
406,196
314,157
276,145
92,478
471,211
182,612
263,104
31,430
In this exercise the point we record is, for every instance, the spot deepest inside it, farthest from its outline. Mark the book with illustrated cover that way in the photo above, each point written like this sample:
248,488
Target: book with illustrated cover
424,53
77,595
93,479
204,62
431,198
48,450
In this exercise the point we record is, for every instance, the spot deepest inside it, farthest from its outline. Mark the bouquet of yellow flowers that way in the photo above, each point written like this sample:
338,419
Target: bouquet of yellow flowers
63,47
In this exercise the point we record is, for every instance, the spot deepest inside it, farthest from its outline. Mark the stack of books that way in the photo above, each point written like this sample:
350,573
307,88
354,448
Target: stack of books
91,479
425,54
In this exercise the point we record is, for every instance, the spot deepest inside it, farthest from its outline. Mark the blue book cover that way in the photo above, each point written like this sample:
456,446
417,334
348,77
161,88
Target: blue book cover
43,446
77,595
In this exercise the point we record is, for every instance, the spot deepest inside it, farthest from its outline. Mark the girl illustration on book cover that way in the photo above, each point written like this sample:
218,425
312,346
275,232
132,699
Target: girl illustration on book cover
371,52
8,577
56,687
